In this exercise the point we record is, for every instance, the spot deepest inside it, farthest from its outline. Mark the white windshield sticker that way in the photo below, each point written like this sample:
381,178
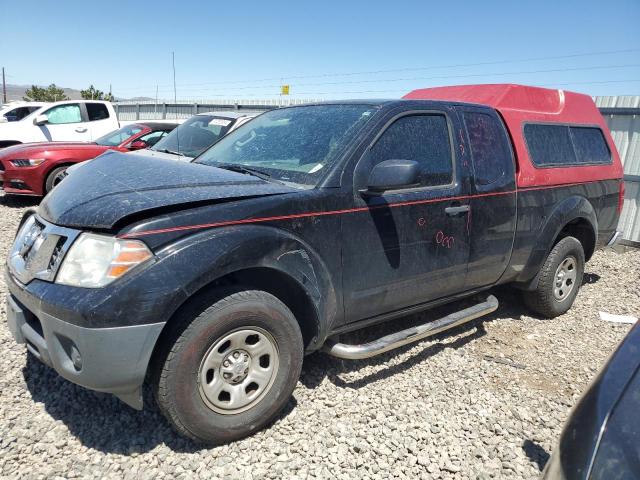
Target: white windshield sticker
316,168
220,121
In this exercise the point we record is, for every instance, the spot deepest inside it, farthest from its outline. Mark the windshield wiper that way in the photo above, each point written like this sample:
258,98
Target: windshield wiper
248,170
166,150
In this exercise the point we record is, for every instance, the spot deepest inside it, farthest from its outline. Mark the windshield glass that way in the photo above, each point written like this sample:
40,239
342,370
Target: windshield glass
115,138
194,136
293,144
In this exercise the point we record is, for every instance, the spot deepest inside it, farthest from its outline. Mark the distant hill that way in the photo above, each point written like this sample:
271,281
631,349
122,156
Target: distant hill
16,92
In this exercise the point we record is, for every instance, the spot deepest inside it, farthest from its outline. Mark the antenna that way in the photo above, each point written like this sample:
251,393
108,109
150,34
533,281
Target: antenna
4,88
175,96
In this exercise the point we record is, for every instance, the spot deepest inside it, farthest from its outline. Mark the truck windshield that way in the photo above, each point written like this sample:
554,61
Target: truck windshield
194,136
294,144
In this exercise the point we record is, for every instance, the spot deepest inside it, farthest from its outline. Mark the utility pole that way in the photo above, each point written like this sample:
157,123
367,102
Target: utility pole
4,88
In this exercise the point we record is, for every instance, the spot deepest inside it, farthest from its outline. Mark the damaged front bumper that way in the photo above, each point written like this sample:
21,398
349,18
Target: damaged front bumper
112,360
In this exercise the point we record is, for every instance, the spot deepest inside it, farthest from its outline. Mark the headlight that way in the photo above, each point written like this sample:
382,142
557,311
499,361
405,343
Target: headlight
95,260
27,162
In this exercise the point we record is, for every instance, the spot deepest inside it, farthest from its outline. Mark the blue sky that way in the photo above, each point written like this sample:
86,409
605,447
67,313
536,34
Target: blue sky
324,49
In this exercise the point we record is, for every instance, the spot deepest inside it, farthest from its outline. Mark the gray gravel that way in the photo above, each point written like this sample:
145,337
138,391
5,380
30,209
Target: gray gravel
486,401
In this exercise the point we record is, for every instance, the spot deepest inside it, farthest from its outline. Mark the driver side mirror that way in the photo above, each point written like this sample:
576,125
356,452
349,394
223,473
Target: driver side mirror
40,120
392,175
138,145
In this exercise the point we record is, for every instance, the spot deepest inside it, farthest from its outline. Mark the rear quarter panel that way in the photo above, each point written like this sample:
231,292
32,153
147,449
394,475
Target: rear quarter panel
544,211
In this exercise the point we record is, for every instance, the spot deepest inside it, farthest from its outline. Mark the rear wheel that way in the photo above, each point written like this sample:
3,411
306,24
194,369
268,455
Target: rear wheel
559,280
228,371
54,178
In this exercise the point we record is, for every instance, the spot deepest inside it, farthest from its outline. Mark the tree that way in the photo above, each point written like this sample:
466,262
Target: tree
40,94
92,93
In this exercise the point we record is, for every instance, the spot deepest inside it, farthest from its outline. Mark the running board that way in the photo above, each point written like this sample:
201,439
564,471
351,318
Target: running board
410,335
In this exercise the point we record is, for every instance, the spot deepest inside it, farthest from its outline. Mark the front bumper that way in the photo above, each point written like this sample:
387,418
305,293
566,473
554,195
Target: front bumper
22,180
112,360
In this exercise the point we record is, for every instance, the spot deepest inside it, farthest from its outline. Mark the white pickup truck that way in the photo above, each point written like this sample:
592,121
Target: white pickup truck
71,120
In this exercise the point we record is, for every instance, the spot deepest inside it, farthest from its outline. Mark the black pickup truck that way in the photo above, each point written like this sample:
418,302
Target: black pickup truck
212,279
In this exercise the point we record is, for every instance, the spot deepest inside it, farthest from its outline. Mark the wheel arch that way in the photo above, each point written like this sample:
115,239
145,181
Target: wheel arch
278,283
574,216
50,168
272,260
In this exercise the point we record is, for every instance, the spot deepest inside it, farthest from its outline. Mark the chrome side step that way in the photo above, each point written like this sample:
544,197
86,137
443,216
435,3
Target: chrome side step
413,334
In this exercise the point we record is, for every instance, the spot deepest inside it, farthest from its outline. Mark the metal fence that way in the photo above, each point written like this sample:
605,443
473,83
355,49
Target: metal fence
622,115
150,110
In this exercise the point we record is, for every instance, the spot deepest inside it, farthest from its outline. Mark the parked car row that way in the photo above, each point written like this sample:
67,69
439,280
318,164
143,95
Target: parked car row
35,168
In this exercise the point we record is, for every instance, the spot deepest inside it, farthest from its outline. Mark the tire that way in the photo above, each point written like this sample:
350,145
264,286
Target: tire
553,295
190,370
54,178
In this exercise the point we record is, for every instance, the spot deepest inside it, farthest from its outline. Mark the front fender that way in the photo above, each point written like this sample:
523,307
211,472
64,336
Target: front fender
566,211
200,259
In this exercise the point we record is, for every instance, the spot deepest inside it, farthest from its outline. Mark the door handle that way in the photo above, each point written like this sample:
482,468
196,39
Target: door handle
81,129
457,211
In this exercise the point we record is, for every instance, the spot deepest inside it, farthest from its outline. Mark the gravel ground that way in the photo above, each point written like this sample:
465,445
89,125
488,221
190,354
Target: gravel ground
485,401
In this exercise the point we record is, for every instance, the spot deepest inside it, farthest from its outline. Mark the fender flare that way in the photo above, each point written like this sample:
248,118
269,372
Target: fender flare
218,253
568,210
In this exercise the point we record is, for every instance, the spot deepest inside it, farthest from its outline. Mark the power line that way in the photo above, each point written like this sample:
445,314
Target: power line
436,77
402,91
396,70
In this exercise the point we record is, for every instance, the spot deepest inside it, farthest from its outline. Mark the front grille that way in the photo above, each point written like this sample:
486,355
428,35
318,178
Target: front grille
38,249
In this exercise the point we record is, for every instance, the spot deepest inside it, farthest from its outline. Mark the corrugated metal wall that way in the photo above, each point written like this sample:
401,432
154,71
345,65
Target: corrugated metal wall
149,110
622,115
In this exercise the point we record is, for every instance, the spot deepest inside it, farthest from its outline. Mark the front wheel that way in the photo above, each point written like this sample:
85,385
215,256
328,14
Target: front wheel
229,370
54,178
559,279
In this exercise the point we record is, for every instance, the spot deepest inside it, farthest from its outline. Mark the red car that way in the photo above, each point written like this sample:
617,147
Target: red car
35,168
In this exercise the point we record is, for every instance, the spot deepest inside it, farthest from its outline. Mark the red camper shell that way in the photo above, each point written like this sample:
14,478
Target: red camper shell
520,105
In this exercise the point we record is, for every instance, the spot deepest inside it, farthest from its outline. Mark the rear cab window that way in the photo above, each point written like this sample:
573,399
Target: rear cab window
97,111
489,146
566,145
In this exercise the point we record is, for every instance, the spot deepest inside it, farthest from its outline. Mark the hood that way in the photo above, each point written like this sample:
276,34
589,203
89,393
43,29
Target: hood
117,185
155,154
29,148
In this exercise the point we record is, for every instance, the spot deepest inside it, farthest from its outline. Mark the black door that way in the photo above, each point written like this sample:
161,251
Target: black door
407,246
492,219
